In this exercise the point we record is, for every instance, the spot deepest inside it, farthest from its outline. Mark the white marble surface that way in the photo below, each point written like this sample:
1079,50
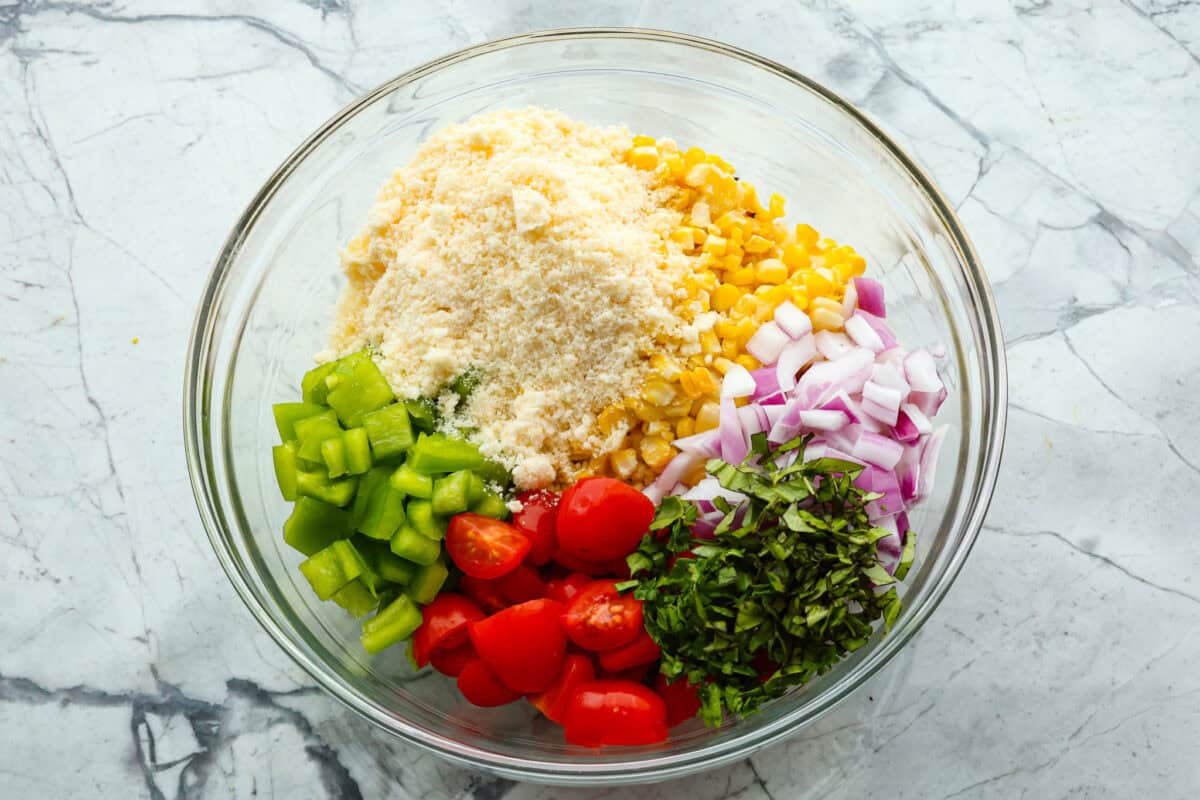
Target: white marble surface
1062,664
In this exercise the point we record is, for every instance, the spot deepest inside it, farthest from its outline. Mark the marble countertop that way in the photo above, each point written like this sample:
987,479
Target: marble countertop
1062,664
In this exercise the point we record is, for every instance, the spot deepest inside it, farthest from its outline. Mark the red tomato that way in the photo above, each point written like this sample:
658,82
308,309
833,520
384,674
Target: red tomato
597,569
577,670
564,589
615,713
483,547
451,662
536,519
443,625
681,698
524,645
642,650
601,618
520,585
481,687
601,519
636,674
485,593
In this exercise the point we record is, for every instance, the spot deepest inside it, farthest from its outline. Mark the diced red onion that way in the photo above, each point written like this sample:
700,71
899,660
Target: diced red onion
881,395
928,402
775,399
878,450
917,417
738,382
793,358
773,414
833,345
794,322
823,420
908,472
710,488
734,445
928,463
849,300
843,441
843,373
672,474
843,402
767,343
882,413
887,375
787,427
904,430
858,329
870,296
706,444
874,479
880,327
765,382
922,371
894,357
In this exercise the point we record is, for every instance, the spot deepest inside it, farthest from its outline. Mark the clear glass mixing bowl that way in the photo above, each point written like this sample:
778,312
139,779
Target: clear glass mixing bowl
271,296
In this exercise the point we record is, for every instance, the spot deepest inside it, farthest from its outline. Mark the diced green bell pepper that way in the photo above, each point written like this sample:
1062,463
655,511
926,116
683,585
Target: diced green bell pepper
428,581
356,598
314,525
333,454
414,547
312,431
451,494
491,505
288,414
358,451
423,414
286,468
388,565
319,486
412,483
389,430
423,520
332,568
385,512
312,385
435,453
475,488
393,624
367,485
356,387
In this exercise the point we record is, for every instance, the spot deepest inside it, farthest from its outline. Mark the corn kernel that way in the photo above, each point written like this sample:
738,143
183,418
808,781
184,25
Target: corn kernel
648,413
698,175
715,245
775,205
731,261
709,343
656,452
685,427
748,361
705,380
798,296
644,157
794,256
826,244
729,350
807,235
771,270
684,237
624,462
757,244
610,418
674,164
723,298
825,320
857,263
817,284
746,306
661,428
827,303
740,277
724,328
708,417
722,365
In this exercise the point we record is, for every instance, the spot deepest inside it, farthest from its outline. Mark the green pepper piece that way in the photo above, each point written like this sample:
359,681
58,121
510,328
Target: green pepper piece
389,429
393,624
412,483
312,431
358,451
491,505
436,453
385,512
388,565
288,414
319,486
412,546
314,525
428,582
283,456
422,519
332,568
312,385
356,598
475,488
367,486
333,453
423,413
451,494
357,387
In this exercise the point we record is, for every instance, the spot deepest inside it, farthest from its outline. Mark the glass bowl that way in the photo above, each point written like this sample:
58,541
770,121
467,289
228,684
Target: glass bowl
271,297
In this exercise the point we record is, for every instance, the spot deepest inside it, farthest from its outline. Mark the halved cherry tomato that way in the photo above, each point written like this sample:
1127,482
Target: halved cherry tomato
642,650
577,670
601,618
536,519
520,585
443,625
486,594
564,589
615,713
636,674
481,687
483,547
681,697
597,569
523,645
602,518
451,662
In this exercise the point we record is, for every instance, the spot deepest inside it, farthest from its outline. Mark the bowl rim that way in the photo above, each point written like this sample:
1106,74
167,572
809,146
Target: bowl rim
196,397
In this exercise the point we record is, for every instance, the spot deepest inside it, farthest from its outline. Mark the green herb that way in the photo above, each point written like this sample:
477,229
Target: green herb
790,583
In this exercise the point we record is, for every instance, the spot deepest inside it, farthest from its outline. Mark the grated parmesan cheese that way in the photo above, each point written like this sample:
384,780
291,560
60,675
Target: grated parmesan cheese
519,243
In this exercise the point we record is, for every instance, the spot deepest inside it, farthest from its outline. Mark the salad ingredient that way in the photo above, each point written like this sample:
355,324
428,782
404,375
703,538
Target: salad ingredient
524,645
287,469
642,651
601,618
355,388
411,545
577,670
791,574
602,518
484,592
614,712
520,585
428,581
565,589
389,430
443,626
330,569
412,483
680,697
538,208
451,662
314,525
481,687
393,624
483,547
537,519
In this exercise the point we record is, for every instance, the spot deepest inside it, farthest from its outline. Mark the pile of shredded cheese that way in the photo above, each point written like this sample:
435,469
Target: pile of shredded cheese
522,244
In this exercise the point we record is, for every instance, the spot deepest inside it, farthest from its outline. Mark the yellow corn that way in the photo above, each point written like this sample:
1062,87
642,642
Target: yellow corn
624,462
658,392
825,320
685,427
724,297
656,452
708,417
740,277
748,361
644,157
771,270
757,244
